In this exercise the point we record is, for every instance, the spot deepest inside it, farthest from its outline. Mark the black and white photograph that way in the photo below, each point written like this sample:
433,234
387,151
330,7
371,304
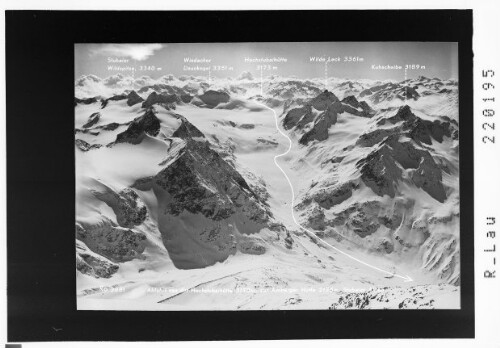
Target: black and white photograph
266,176
250,173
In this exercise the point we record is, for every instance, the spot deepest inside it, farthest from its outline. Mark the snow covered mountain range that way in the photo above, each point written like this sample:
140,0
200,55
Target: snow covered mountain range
243,185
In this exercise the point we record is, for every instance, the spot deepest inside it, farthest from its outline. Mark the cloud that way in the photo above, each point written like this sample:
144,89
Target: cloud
245,75
137,52
84,79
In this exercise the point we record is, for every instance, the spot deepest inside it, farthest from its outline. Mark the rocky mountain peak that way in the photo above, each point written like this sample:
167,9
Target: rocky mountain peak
187,130
133,98
148,123
320,129
214,98
418,129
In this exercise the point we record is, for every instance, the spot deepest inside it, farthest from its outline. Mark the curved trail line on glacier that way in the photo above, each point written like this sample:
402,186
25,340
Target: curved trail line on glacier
405,278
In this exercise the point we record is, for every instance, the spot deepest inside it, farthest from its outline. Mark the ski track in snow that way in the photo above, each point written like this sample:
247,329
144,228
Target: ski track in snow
405,278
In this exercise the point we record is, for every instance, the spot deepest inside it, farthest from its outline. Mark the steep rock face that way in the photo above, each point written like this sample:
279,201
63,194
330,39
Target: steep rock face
407,123
187,130
320,129
134,98
441,255
323,111
293,117
167,100
128,208
380,172
111,241
205,207
186,98
214,98
93,119
363,218
145,124
200,181
85,101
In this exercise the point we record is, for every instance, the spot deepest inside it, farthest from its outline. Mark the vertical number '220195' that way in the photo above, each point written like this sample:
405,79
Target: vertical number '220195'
488,110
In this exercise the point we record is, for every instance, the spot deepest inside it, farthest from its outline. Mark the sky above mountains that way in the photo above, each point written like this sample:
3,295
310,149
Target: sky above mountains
354,60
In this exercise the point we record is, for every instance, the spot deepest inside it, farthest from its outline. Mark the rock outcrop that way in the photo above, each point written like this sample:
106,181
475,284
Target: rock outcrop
85,101
214,98
84,146
115,243
93,119
187,130
130,211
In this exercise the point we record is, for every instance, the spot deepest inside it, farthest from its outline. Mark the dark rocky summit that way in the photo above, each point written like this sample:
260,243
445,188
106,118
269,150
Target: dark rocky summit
213,98
85,101
145,124
323,111
323,100
92,264
128,208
